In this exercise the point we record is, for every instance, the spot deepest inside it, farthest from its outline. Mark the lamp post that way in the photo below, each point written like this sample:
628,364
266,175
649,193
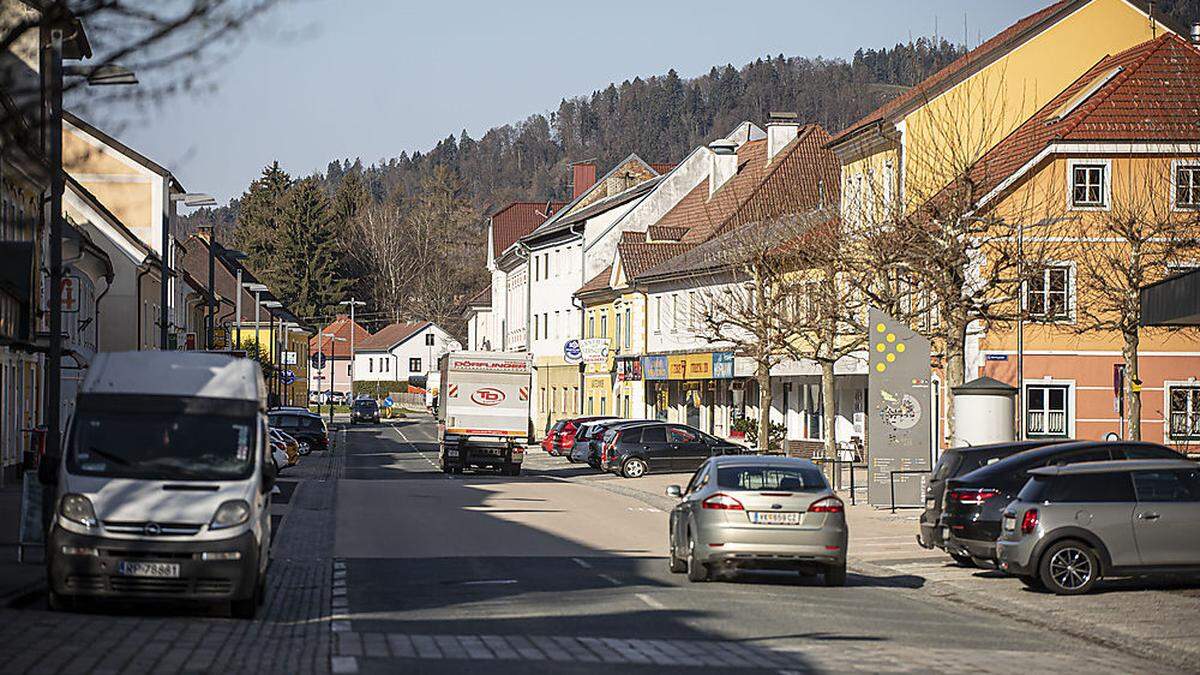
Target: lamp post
236,257
332,348
272,304
352,303
168,252
52,34
296,328
257,289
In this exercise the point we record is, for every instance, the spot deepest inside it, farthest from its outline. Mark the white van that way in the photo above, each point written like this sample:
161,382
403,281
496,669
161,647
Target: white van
165,483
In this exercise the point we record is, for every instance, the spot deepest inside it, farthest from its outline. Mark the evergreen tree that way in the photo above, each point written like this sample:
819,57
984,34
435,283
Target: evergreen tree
307,274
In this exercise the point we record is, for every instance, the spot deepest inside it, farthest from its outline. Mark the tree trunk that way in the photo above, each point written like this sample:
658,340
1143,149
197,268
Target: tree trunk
955,371
764,405
1132,393
828,389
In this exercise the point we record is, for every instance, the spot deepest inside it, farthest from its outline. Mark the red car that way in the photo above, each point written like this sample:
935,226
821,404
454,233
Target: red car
562,435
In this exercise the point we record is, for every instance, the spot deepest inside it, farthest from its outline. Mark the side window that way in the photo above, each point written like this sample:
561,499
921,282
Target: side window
680,435
698,479
1092,455
1145,452
631,436
1093,487
1167,486
654,435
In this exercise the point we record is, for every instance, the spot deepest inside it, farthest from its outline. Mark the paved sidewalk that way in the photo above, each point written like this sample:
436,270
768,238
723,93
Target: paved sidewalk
17,580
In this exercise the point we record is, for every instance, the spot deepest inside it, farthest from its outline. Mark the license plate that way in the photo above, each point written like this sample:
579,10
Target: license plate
452,453
945,533
128,568
775,517
1010,523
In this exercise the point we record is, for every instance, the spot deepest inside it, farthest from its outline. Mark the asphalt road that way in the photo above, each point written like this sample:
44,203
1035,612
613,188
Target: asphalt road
548,573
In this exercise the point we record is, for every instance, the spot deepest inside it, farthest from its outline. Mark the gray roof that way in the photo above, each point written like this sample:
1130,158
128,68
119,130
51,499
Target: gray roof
1110,466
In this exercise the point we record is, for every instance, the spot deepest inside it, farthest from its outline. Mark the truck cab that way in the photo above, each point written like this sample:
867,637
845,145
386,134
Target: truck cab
483,411
165,483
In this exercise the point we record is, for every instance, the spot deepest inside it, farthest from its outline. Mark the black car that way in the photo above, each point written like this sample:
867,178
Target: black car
587,448
956,462
307,428
364,410
635,450
975,502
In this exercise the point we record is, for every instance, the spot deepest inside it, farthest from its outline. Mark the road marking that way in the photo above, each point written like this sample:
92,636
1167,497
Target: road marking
649,600
417,450
343,665
482,582
582,563
612,580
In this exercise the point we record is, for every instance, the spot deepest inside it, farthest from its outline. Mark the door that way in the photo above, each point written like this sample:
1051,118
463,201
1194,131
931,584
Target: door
1166,520
1104,504
688,450
659,454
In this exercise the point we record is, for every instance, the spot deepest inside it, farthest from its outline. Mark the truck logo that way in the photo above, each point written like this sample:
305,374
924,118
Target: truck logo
487,396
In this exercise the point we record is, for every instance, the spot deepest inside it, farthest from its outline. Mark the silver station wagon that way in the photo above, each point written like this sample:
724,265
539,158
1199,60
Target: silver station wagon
758,512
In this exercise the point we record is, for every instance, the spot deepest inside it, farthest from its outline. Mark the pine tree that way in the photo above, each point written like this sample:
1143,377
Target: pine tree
260,218
307,275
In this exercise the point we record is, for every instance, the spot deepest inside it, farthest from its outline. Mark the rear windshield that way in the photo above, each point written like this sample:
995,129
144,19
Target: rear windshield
162,446
770,478
946,465
369,404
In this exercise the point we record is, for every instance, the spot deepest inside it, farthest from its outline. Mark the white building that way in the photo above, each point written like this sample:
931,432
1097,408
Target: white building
402,352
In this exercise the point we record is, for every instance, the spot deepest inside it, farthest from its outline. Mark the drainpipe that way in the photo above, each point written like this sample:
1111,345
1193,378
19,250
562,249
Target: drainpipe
146,270
578,305
108,280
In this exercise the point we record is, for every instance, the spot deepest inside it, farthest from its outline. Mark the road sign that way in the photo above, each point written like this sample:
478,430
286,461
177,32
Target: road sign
287,376
289,358
318,360
571,352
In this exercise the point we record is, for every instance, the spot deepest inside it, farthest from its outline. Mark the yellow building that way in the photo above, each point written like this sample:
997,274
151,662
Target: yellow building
598,331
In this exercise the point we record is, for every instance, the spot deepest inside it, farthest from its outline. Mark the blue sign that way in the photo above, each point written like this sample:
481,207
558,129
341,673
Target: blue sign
571,351
388,402
722,366
318,360
997,357
655,368
287,376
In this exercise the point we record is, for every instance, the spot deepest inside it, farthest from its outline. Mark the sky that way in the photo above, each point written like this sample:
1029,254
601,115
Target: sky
317,80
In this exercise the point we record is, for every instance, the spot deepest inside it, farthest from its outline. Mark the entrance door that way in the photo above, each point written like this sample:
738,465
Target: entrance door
691,407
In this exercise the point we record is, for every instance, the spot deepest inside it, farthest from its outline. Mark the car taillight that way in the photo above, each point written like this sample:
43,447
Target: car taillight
605,447
722,502
827,505
1029,522
972,497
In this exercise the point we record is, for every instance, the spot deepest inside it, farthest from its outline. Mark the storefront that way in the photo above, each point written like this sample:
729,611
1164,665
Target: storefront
696,389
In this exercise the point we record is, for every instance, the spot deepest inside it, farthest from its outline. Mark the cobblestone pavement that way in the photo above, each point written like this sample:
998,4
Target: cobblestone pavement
290,635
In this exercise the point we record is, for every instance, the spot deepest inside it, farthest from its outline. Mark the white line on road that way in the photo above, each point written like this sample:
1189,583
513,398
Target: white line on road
649,600
582,563
482,582
612,580
343,665
414,447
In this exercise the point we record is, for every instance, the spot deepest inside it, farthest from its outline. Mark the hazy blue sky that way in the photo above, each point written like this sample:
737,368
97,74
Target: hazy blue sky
325,79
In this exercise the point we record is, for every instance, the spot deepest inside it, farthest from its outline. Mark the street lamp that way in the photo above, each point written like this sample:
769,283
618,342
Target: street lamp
234,256
352,303
188,199
332,373
272,304
257,289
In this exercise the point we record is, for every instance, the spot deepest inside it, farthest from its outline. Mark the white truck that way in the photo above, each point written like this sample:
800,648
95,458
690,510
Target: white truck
483,410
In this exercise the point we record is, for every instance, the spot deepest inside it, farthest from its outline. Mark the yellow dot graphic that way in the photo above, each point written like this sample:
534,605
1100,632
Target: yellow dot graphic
891,337
900,347
880,347
891,357
881,367
880,328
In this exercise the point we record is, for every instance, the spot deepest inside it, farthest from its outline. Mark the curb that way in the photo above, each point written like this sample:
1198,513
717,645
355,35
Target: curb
23,596
943,591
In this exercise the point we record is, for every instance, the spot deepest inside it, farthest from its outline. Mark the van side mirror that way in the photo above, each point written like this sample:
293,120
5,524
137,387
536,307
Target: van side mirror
269,475
674,491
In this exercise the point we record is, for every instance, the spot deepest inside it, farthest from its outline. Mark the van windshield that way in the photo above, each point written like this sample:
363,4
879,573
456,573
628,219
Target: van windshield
162,446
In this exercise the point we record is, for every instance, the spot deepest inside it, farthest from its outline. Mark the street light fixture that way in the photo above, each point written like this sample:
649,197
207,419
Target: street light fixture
352,303
105,74
257,289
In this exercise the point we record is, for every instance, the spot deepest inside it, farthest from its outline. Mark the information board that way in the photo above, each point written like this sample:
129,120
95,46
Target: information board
898,413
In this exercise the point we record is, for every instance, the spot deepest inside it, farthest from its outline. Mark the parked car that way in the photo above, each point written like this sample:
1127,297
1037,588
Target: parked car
364,410
548,441
588,449
953,463
757,512
974,503
307,428
634,451
1071,526
561,438
279,455
289,445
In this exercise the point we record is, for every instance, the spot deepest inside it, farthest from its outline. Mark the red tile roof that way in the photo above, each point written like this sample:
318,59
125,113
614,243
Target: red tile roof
637,258
339,328
959,68
596,283
665,233
1155,96
481,299
517,220
390,336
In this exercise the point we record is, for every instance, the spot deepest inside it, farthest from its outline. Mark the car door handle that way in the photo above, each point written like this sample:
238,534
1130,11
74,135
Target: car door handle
1148,516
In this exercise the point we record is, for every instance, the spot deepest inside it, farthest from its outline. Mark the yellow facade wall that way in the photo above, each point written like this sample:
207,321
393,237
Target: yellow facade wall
124,190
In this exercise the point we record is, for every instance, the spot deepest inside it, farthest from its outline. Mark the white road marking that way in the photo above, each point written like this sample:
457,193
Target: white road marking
422,455
612,580
340,626
482,582
648,600
582,563
343,665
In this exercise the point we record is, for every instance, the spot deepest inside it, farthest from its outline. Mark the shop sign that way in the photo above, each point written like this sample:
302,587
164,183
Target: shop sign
655,368
571,352
699,366
629,370
677,367
744,366
599,383
594,350
722,365
70,294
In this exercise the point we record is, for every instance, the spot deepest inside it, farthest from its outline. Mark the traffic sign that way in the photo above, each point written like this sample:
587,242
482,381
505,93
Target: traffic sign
287,376
318,360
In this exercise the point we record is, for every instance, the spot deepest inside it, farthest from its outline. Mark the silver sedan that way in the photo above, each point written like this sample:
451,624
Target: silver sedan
758,512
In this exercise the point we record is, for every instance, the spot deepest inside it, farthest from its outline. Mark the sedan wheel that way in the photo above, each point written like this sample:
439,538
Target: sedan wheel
676,564
696,570
1069,568
633,468
305,448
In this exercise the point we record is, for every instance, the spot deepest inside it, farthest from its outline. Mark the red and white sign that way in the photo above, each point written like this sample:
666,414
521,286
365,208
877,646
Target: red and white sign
70,294
452,390
487,396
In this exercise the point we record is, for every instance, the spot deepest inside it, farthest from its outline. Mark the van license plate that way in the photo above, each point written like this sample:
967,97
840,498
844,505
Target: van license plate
128,568
775,517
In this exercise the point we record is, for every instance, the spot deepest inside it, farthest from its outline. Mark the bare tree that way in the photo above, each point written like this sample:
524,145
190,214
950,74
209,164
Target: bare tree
1139,239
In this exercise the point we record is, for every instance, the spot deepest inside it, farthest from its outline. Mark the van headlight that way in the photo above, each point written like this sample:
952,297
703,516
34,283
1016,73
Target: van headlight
78,509
230,514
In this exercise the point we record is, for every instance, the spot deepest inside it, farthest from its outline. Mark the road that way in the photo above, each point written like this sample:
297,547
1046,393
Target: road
382,563
557,570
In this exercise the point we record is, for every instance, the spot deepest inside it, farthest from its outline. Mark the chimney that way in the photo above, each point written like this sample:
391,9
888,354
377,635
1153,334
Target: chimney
583,176
782,128
724,163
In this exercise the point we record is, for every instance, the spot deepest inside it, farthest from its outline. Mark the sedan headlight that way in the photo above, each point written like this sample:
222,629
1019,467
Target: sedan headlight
230,514
78,509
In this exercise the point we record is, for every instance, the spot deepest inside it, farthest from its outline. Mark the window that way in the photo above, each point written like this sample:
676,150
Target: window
770,478
1049,296
654,435
1089,188
537,265
1046,410
370,365
1185,413
591,326
545,265
681,435
1167,486
414,365
545,324
557,324
814,411
628,327
1187,186
1092,487
429,339
618,341
657,314
604,324
387,364
676,317
535,326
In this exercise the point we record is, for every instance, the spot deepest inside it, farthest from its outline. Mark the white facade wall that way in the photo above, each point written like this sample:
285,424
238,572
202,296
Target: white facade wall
554,276
479,331
414,357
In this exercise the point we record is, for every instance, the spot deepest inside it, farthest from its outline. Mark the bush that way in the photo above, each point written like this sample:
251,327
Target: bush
379,389
749,426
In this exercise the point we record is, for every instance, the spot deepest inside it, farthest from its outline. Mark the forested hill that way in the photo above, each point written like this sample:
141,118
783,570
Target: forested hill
661,118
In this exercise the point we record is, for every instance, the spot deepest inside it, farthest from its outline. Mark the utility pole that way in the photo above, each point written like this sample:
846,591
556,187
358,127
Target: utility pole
353,303
54,133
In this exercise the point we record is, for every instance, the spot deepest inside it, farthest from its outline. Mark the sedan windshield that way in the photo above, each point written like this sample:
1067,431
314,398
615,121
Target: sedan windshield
770,478
162,446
